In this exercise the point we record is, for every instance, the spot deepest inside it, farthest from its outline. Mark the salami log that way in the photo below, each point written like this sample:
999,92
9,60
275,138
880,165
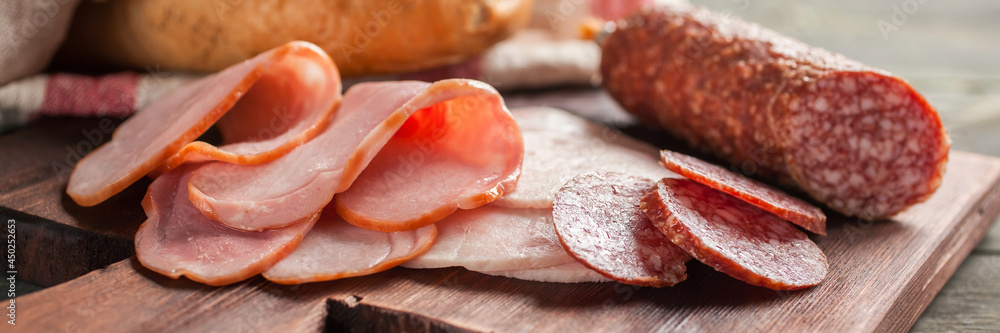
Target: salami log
858,139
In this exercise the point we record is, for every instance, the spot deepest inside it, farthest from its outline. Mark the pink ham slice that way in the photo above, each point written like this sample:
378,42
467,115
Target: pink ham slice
279,112
296,83
335,249
459,148
178,240
492,238
559,145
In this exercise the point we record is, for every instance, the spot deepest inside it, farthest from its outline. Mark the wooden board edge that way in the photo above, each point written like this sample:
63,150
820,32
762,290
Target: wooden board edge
352,315
41,244
957,245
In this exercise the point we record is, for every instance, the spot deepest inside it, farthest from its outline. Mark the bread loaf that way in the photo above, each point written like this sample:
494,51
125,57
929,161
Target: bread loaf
364,37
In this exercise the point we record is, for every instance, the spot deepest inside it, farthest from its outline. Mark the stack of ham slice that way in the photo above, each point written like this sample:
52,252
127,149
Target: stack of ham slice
402,154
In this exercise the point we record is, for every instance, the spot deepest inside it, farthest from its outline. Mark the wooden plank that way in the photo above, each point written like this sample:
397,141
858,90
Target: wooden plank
49,253
882,276
991,243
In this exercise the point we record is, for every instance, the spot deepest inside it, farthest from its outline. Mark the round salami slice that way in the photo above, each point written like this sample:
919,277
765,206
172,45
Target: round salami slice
599,222
734,237
790,208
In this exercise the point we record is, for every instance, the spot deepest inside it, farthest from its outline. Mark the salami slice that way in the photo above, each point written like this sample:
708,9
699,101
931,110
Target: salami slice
599,222
734,237
756,193
855,138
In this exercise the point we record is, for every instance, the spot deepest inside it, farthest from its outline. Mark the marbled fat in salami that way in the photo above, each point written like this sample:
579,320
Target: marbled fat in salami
855,138
599,222
754,192
734,237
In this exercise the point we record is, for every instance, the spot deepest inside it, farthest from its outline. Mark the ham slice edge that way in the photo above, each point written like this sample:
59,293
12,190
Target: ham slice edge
170,125
176,240
335,249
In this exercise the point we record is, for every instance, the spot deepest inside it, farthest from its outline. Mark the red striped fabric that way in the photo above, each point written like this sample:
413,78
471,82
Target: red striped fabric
86,96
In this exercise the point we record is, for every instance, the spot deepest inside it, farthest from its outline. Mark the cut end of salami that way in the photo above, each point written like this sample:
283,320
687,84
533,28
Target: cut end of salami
734,237
598,219
864,143
754,192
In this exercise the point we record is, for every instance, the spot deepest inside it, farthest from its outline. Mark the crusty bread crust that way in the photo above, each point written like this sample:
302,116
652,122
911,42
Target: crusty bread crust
363,37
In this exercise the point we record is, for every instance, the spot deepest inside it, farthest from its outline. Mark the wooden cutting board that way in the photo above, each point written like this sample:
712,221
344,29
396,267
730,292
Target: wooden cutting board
882,274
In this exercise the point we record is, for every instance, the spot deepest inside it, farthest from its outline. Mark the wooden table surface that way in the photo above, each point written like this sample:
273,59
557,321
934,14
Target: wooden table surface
949,51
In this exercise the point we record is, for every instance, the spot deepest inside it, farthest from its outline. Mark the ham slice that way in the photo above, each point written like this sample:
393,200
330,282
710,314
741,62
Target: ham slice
335,249
492,238
559,146
429,149
573,272
296,83
177,239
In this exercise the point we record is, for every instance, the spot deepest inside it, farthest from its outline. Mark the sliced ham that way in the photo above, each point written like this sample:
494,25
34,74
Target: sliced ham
463,150
297,79
271,118
492,238
429,148
177,240
335,249
573,272
763,196
559,146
